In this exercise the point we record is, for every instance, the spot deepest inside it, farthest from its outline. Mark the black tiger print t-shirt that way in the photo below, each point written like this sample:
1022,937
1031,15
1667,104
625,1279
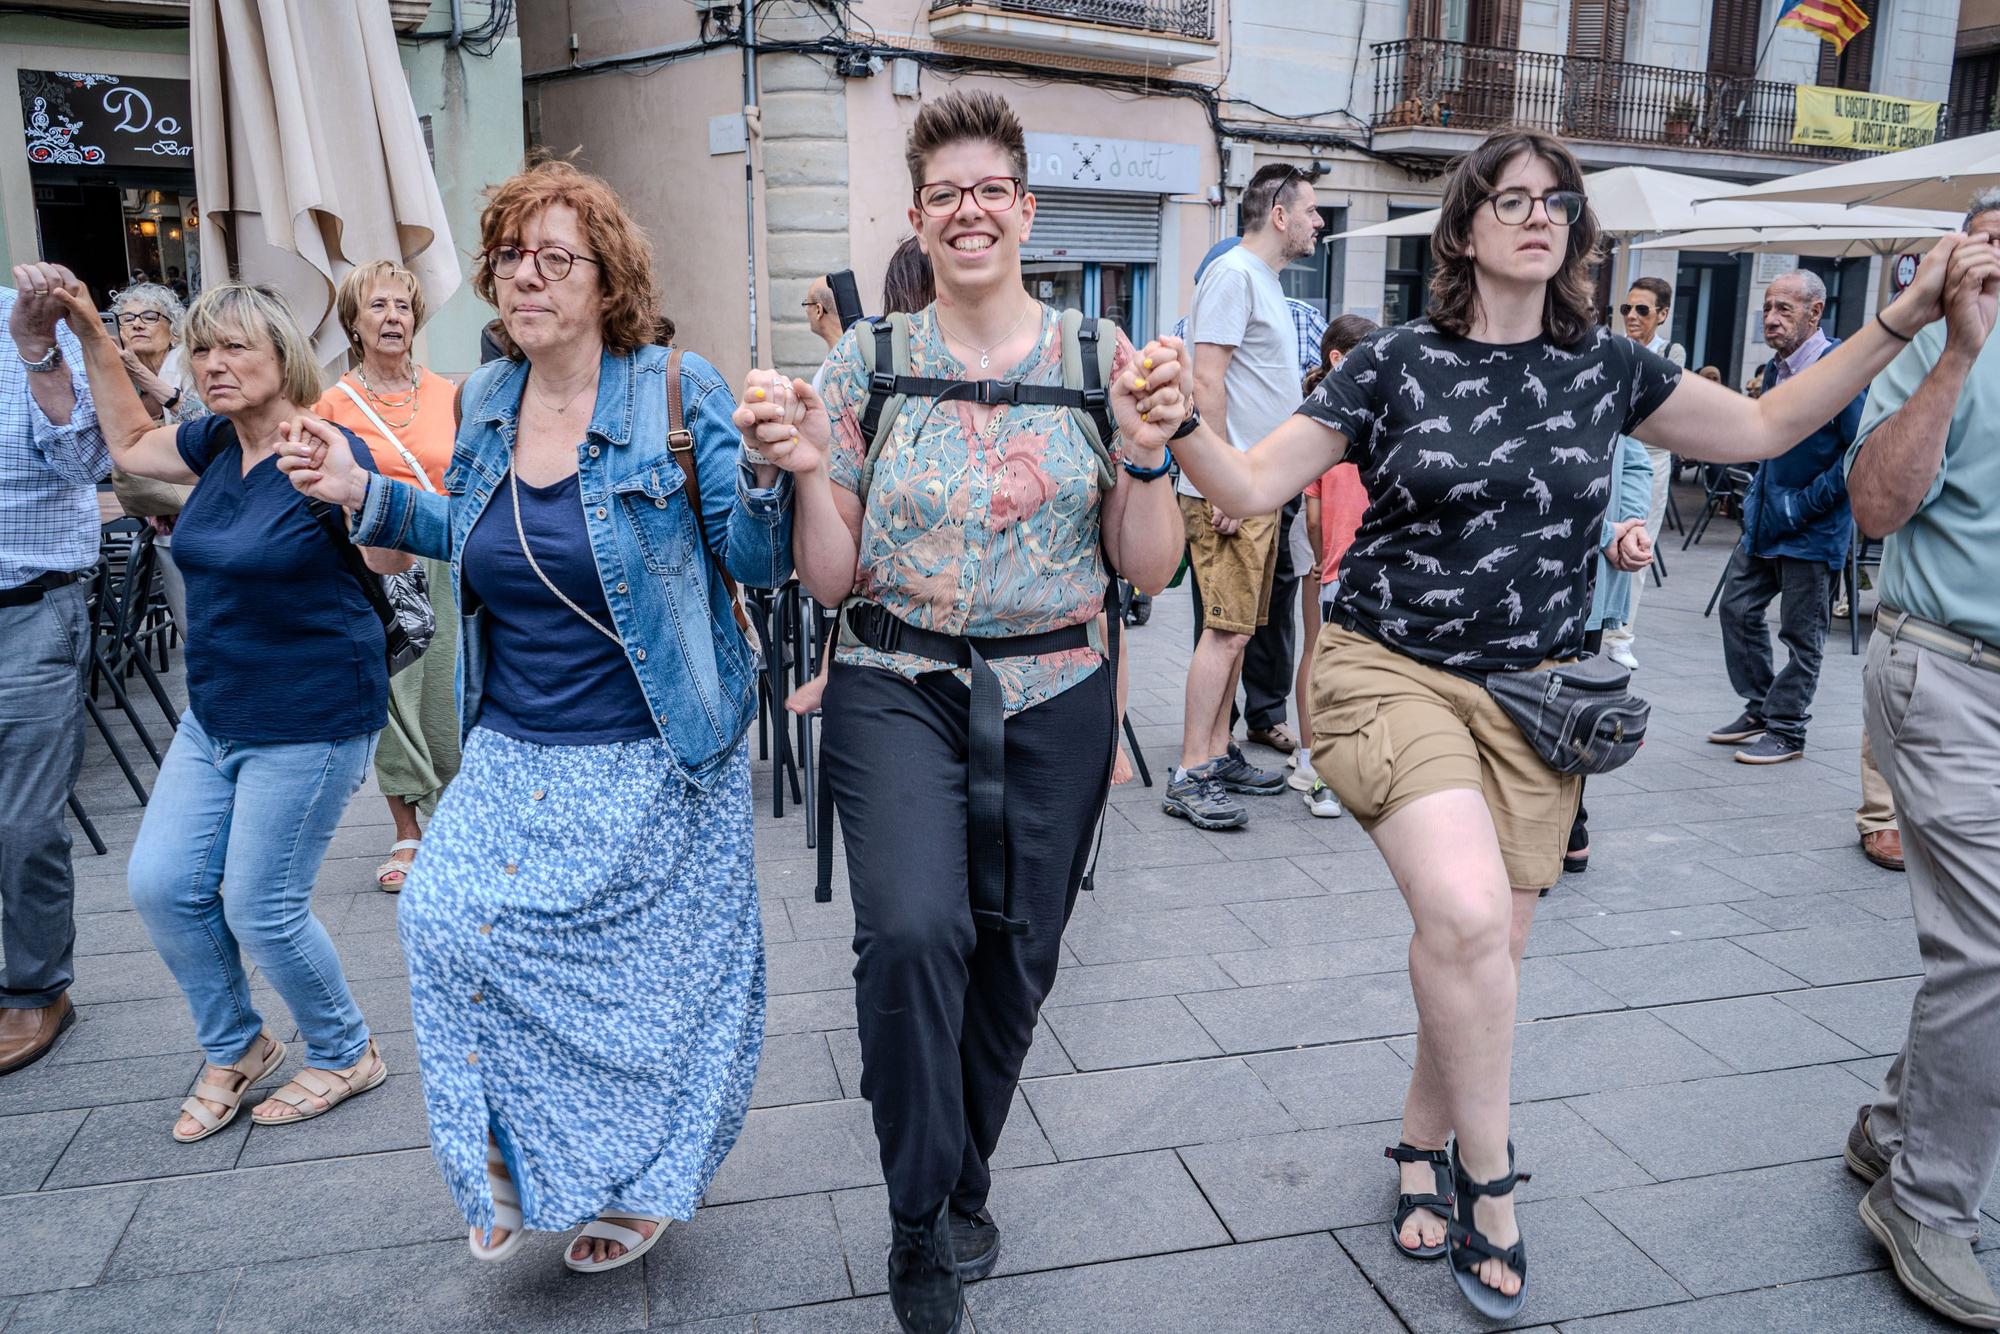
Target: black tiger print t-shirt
1488,470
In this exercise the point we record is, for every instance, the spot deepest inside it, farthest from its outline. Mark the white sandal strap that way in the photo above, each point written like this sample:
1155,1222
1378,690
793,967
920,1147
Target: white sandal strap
406,843
604,1231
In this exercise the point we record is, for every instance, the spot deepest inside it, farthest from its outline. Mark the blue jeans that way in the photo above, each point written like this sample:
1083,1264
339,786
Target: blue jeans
44,647
260,815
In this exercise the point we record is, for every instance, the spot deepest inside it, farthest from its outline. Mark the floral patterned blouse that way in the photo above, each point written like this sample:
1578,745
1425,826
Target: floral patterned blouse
980,520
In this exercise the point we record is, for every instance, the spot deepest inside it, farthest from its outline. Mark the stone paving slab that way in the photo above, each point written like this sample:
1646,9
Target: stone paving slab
1196,1146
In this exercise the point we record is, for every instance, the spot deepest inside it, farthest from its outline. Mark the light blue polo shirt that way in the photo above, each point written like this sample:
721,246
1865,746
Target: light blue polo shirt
1944,564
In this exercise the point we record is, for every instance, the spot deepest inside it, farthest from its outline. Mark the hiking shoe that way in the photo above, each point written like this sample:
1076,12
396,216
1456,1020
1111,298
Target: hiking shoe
975,1242
1746,727
1771,748
1940,1271
1864,1156
1236,773
924,1287
1321,801
1139,610
1196,797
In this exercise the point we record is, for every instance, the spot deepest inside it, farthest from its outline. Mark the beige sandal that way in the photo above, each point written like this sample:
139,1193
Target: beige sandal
333,1086
240,1079
392,875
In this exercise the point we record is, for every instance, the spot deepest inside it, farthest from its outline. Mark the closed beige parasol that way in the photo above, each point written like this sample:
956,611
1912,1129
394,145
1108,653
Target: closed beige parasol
309,159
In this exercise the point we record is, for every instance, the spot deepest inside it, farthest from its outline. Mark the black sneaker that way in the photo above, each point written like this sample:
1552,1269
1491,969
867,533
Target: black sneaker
1197,798
924,1287
975,1242
1235,772
1772,749
1747,727
1139,610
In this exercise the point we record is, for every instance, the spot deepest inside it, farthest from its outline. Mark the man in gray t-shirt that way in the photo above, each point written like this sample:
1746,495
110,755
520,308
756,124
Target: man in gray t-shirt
1246,371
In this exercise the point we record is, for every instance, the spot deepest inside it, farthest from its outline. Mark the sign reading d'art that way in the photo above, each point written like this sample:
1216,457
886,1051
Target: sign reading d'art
1837,118
76,119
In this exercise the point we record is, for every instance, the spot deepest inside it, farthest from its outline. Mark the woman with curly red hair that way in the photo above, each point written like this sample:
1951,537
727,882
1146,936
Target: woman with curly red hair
586,957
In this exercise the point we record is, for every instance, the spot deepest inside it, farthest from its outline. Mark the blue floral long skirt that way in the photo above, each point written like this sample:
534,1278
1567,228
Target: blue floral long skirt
587,976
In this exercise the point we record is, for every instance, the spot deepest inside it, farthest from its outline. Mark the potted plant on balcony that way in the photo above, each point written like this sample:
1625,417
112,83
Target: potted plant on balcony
1680,120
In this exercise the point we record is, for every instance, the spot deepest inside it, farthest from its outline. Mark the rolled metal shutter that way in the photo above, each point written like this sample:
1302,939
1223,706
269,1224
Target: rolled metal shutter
1101,226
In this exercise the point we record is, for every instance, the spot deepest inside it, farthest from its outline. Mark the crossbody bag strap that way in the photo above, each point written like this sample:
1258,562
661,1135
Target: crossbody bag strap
423,478
680,445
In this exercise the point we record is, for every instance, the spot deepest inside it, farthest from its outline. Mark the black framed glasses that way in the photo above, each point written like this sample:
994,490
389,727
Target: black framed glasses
995,194
553,262
128,319
1639,308
1514,207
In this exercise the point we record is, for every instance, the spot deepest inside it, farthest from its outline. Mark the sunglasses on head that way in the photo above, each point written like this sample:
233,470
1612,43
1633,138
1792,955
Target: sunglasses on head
1642,310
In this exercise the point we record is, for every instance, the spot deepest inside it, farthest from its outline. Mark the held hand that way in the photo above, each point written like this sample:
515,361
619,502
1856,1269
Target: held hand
315,456
1147,401
1972,291
47,293
784,420
1224,525
1923,300
1630,549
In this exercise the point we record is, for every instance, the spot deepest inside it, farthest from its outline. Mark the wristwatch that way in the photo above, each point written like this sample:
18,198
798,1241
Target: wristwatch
49,361
173,401
1187,426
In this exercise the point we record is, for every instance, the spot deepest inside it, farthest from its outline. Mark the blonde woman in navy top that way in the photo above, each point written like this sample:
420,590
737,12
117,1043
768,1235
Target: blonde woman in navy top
286,692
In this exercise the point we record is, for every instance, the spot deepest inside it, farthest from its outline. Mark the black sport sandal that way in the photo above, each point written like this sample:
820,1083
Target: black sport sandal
1439,1203
1471,1248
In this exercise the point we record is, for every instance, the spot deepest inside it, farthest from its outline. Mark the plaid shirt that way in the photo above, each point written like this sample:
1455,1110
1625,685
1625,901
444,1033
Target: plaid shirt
48,473
1309,324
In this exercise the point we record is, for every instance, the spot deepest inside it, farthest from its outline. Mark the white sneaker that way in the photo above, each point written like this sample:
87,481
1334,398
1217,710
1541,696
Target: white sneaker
1301,778
1321,801
1622,655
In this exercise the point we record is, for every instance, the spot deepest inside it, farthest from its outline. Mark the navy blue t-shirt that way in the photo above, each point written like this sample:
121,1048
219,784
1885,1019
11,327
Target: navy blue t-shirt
282,644
551,678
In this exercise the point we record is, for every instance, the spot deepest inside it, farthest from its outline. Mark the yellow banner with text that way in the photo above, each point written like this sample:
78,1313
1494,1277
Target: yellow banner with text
1837,118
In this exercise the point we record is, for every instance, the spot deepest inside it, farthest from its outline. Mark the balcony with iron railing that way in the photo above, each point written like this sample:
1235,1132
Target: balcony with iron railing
1422,84
1142,32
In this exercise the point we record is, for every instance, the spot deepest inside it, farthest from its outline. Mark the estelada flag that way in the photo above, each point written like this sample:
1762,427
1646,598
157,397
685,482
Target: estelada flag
1836,21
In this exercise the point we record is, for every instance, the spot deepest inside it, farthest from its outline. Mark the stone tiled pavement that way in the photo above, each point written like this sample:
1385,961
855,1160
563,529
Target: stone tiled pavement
1197,1146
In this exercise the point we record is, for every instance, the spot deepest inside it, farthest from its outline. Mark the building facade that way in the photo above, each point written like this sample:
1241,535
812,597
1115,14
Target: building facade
105,179
763,147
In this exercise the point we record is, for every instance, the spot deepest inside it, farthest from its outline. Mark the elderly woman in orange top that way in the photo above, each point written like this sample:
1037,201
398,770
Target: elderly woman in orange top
404,414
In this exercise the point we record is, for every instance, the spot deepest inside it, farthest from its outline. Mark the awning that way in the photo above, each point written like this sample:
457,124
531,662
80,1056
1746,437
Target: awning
309,159
1937,176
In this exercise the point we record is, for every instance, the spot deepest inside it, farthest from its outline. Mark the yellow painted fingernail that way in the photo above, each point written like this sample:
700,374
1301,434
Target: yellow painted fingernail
1138,383
1149,363
758,392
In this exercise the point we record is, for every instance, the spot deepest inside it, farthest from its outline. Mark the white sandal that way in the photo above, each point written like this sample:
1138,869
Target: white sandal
603,1229
506,1211
395,867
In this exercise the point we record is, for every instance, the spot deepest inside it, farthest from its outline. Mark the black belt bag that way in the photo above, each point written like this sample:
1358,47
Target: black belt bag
986,748
1581,717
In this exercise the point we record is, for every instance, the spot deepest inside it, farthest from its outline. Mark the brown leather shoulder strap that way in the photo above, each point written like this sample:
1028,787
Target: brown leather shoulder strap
680,445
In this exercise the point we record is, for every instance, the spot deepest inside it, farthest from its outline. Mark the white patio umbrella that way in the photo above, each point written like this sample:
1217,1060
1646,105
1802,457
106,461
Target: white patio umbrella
309,158
1633,201
1825,242
1937,176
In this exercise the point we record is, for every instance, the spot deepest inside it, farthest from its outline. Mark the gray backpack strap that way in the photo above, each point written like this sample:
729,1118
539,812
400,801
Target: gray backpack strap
1088,350
889,334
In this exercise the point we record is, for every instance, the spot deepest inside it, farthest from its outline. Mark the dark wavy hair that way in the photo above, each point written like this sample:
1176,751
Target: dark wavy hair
908,285
1568,306
1342,333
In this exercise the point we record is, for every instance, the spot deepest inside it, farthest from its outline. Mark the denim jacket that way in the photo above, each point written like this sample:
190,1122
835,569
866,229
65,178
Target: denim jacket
1797,505
667,603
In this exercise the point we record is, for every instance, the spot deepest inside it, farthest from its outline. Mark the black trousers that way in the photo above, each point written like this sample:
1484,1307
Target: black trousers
1804,592
1270,660
947,1011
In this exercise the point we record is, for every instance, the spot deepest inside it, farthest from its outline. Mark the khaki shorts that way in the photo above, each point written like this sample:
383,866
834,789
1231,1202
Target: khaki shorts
1388,729
1234,573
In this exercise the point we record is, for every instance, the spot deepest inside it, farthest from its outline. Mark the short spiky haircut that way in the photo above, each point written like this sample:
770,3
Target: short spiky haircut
978,117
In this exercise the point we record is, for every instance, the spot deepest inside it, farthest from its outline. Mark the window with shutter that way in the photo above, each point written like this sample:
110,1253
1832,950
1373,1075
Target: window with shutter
1975,79
1853,68
1732,38
1596,45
